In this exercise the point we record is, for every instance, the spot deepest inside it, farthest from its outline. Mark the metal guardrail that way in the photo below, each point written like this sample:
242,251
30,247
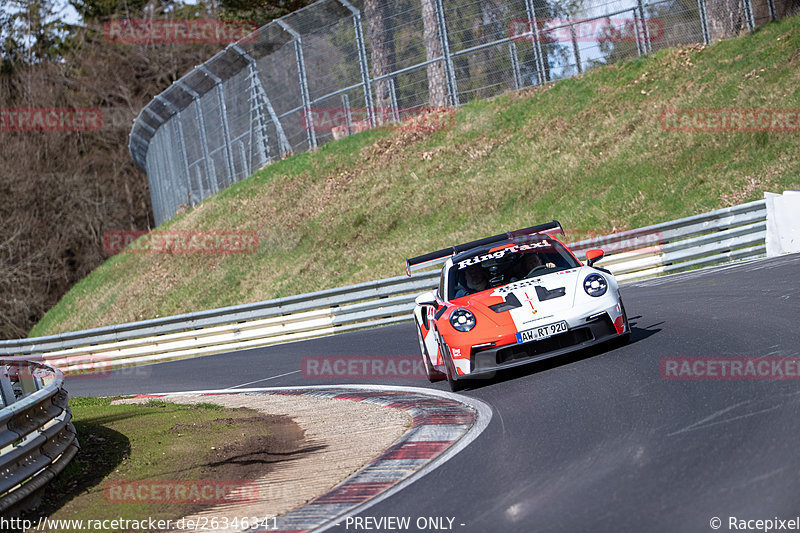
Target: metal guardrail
712,238
37,438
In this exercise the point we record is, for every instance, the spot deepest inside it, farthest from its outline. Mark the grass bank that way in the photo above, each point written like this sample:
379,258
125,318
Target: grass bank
590,151
163,446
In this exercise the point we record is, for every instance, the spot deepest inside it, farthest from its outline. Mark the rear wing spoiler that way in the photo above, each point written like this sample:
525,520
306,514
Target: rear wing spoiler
434,258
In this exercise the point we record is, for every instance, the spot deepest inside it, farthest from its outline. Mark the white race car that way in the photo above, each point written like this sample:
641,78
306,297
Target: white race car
512,299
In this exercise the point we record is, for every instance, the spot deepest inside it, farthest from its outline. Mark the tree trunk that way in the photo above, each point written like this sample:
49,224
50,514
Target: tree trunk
437,85
725,18
381,43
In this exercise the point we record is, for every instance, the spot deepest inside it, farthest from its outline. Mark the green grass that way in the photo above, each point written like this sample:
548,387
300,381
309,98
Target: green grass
157,441
589,151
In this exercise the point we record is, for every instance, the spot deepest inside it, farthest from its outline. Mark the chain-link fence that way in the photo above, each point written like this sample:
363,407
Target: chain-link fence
336,67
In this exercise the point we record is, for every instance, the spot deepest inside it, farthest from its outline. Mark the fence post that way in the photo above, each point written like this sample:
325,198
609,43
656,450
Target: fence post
636,32
748,14
283,143
182,145
201,126
259,138
301,72
512,51
771,6
156,189
393,100
156,197
362,63
701,6
533,28
243,155
645,27
348,117
200,181
452,86
223,116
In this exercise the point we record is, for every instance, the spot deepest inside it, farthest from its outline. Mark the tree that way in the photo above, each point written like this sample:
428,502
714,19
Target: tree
382,52
726,18
33,31
259,11
63,190
437,84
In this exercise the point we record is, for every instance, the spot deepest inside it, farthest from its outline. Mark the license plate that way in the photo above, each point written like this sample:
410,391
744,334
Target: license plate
542,332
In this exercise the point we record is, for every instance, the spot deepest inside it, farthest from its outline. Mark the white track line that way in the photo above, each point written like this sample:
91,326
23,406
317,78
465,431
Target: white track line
265,379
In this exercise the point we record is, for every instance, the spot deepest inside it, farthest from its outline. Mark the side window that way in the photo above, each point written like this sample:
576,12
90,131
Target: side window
441,286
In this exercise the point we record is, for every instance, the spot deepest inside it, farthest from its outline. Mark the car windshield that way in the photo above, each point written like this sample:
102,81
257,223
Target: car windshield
486,270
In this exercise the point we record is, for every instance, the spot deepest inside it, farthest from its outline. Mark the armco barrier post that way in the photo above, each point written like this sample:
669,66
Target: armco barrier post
7,396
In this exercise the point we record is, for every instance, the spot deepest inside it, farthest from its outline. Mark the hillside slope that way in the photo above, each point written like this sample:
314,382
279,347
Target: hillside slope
590,151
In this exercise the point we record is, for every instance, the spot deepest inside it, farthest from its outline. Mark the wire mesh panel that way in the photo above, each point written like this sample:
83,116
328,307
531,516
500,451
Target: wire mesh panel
338,67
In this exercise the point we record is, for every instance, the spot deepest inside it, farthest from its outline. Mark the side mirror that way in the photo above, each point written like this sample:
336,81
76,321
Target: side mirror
427,298
593,256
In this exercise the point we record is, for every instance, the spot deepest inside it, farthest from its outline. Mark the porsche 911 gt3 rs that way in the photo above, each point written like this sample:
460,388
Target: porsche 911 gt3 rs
512,299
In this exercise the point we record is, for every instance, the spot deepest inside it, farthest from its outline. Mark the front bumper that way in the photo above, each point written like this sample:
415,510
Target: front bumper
591,333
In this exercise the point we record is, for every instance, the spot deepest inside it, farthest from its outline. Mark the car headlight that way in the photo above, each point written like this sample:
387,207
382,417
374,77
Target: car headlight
595,285
462,320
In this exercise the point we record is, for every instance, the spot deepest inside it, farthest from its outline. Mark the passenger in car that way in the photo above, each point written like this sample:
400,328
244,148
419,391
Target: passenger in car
532,263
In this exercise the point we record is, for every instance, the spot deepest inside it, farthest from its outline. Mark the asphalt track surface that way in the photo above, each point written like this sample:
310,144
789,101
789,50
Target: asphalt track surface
595,441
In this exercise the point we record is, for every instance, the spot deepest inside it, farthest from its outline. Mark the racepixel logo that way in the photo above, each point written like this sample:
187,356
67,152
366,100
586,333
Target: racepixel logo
565,30
132,31
50,119
154,492
363,367
180,242
731,120
730,368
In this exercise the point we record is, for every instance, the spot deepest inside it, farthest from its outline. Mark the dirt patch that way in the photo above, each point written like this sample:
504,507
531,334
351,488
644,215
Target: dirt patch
256,455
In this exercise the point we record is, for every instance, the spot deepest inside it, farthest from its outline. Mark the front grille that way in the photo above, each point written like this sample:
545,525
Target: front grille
556,342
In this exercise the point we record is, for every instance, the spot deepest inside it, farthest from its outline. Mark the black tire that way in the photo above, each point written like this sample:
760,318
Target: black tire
450,370
431,373
624,338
